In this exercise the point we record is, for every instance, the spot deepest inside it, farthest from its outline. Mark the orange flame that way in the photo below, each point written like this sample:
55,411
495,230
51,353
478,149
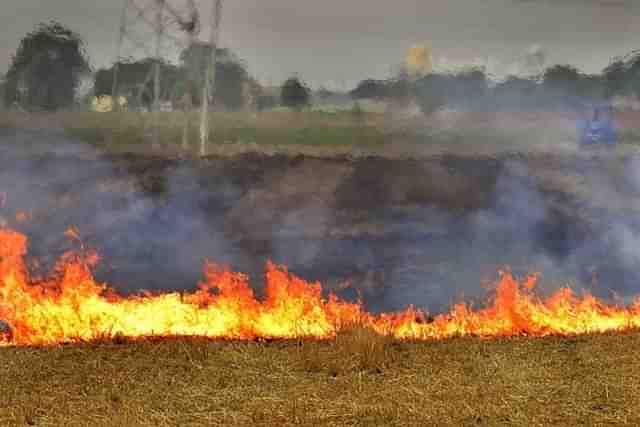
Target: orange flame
71,306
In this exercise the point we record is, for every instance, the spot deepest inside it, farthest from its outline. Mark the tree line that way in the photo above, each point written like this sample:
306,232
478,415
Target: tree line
51,61
559,87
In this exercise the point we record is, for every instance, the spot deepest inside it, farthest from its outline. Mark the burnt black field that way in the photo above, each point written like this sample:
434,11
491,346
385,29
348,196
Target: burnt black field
426,232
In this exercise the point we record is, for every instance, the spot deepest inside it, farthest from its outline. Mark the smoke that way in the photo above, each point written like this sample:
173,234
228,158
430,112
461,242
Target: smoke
154,228
529,63
425,233
473,246
532,62
586,241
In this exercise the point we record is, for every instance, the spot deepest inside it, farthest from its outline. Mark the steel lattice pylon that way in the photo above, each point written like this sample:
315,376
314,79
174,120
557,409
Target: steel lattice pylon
152,29
156,28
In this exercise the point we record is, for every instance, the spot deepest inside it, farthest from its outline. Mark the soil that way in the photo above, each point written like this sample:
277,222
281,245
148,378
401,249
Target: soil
390,231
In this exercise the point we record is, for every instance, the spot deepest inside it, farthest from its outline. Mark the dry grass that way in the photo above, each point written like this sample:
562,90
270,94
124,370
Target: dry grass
359,379
355,349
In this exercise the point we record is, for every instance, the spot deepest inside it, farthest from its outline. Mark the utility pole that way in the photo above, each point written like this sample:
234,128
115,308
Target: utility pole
187,99
190,26
159,29
209,81
116,64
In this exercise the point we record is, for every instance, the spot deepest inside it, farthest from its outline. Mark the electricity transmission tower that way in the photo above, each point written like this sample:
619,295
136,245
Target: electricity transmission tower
209,83
153,28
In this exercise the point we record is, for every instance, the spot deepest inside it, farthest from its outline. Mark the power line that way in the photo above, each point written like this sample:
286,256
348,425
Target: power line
159,30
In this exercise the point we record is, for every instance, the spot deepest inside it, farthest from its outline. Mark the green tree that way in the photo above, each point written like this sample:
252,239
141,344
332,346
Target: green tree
622,76
431,92
231,74
295,94
615,78
633,73
266,102
371,89
592,87
46,69
470,89
399,89
562,77
3,87
561,84
135,81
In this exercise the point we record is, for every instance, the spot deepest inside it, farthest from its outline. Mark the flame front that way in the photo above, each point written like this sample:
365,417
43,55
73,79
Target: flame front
71,306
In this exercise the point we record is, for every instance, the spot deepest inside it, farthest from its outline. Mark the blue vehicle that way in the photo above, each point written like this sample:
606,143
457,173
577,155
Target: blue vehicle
597,129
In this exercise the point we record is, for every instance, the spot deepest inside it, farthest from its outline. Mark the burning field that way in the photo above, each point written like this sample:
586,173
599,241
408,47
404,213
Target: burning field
451,290
72,307
220,356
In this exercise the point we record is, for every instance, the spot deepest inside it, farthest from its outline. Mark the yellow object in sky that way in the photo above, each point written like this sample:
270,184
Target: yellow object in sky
418,60
104,104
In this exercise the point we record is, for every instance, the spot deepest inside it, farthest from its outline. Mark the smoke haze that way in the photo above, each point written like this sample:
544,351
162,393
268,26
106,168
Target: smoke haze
398,232
346,41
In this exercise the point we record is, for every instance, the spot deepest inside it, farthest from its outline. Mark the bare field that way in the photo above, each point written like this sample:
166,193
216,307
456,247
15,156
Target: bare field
355,380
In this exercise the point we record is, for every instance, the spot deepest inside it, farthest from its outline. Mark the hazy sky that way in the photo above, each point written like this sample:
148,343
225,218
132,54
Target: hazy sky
346,40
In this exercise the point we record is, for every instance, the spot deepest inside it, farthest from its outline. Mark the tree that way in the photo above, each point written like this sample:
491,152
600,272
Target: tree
592,87
399,90
469,89
135,81
266,102
622,76
431,92
371,89
295,94
633,73
615,78
231,74
562,83
3,87
47,67
517,93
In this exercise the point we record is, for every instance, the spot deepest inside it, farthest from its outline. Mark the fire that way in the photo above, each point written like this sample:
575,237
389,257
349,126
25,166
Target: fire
70,306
